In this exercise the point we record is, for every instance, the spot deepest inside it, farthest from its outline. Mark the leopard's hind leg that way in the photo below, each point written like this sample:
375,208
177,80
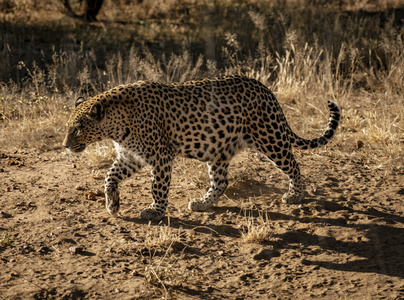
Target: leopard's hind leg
218,183
281,155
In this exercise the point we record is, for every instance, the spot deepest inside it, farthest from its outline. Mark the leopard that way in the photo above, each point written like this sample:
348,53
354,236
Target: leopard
211,120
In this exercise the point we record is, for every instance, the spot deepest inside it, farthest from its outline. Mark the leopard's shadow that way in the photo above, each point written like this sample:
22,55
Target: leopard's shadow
244,189
374,256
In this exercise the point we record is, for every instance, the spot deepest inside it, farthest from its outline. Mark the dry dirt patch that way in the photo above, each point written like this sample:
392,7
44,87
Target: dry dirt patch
344,240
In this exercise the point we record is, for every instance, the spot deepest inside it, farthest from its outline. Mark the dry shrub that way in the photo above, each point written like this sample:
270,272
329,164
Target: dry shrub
255,229
6,241
162,236
167,276
159,271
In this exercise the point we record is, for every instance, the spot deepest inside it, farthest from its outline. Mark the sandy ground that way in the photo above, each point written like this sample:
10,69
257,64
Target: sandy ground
345,241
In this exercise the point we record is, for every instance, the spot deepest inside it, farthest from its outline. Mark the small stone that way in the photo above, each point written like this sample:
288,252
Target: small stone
79,188
267,254
359,144
296,211
5,215
123,230
76,249
91,196
98,192
43,250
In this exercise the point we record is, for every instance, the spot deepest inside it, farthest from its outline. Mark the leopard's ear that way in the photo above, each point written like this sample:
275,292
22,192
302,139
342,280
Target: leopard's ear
96,112
79,101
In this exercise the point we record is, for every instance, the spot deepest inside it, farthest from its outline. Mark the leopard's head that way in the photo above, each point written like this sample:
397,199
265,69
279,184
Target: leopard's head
85,125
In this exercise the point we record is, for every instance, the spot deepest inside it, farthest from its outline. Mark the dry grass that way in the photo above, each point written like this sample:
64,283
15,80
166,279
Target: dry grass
321,55
255,229
6,241
160,248
159,271
162,236
166,276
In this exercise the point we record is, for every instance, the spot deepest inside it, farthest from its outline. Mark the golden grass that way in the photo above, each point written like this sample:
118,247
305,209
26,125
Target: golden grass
162,236
360,69
255,229
166,276
6,241
158,271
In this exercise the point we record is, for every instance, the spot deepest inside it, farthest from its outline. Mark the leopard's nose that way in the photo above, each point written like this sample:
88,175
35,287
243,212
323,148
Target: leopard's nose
66,143
69,135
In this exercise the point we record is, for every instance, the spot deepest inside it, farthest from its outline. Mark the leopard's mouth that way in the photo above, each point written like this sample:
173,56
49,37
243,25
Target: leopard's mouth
76,149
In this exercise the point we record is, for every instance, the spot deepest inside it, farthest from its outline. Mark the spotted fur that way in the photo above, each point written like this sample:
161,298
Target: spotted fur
210,120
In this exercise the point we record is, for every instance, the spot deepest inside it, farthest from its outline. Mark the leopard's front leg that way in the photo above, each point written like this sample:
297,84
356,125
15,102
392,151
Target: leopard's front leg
161,177
122,168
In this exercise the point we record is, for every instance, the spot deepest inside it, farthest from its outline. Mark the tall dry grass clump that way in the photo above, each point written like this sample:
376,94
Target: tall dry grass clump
255,230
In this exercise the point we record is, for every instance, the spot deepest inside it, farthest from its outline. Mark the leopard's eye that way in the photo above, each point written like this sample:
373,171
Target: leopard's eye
76,130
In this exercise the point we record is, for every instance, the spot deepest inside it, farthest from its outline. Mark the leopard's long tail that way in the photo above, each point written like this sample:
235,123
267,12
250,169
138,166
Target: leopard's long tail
332,125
